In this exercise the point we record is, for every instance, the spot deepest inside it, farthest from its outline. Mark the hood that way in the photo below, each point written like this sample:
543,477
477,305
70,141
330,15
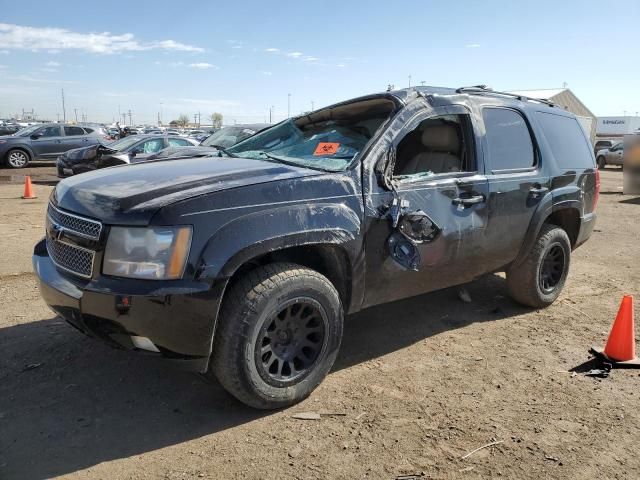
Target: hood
132,194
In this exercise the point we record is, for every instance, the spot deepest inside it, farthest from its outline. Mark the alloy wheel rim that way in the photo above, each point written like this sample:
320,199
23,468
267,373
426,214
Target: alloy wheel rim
291,341
552,268
17,159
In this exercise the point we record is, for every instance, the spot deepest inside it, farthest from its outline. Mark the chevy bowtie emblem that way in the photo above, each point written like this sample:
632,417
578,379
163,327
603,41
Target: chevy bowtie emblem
57,231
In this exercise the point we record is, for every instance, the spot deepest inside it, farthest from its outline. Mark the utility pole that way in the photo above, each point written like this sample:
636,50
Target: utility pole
288,105
422,82
409,81
199,119
58,117
312,105
161,114
130,121
271,114
76,112
64,112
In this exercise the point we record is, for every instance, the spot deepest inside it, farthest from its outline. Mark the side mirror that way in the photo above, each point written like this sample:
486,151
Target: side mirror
136,151
36,135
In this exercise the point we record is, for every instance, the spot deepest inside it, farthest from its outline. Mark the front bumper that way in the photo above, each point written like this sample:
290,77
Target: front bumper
177,316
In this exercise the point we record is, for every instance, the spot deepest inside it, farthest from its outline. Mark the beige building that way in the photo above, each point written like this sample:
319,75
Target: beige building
565,98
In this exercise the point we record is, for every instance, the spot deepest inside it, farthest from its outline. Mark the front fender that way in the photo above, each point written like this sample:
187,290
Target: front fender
20,146
274,229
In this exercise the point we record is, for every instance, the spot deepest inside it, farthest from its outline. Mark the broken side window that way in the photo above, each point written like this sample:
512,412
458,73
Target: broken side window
441,144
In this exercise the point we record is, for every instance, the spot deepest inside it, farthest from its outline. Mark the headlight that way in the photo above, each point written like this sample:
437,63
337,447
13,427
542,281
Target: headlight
154,253
3,141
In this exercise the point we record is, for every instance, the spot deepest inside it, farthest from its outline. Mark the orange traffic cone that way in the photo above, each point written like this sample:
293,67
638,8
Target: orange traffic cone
621,344
28,189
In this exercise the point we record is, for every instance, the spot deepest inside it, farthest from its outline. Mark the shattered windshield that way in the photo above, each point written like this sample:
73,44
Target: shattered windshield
123,143
326,140
228,136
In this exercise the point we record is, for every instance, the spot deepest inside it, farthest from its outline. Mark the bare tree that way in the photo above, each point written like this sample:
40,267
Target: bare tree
183,120
216,120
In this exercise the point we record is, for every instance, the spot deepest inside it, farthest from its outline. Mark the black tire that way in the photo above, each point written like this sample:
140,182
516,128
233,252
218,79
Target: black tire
17,158
602,163
539,279
270,305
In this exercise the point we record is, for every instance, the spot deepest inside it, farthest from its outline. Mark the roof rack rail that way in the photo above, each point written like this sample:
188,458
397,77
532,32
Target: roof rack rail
484,90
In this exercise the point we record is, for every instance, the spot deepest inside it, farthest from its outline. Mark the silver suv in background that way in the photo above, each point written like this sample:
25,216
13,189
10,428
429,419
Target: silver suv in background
611,156
47,141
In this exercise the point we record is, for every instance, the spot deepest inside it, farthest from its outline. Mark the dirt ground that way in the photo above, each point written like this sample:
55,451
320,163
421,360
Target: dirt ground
417,385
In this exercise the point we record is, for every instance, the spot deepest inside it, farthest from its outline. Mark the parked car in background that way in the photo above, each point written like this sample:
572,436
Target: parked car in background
611,156
133,149
245,265
223,138
601,145
47,142
9,129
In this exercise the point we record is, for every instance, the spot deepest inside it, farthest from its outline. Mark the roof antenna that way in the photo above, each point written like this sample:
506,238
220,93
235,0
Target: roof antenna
565,84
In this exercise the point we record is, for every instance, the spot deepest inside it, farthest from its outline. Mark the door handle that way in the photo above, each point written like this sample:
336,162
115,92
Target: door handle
468,201
536,191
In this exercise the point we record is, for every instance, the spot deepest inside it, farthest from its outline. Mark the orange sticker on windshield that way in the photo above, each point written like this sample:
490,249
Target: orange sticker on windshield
326,148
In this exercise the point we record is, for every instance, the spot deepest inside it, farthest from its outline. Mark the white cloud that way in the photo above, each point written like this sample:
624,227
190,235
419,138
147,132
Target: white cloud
341,65
272,50
4,52
294,54
472,45
310,59
52,64
202,65
27,78
18,37
267,74
50,70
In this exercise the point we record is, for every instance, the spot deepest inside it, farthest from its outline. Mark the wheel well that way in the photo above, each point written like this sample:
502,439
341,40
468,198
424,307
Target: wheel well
569,220
22,149
329,260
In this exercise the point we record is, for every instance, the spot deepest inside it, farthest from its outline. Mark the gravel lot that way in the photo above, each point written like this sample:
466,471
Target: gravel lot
418,384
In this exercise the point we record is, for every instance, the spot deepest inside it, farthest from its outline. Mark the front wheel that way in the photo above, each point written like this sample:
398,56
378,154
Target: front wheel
539,279
278,334
17,158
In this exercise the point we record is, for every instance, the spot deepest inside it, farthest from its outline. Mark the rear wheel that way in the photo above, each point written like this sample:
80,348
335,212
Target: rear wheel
539,280
278,335
17,158
601,162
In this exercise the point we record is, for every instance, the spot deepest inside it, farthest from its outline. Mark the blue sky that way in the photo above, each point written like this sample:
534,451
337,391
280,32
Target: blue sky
241,58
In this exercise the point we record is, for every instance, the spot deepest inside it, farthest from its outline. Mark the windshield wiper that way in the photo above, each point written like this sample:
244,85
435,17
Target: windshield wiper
223,150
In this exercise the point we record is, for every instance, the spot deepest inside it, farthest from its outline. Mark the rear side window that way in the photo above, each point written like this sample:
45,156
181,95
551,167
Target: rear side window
88,130
73,131
179,142
567,140
508,139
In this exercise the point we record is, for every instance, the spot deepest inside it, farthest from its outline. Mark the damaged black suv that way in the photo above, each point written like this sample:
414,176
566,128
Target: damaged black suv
244,264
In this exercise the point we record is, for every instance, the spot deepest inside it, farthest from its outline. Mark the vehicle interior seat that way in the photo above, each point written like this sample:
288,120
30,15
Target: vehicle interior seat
439,152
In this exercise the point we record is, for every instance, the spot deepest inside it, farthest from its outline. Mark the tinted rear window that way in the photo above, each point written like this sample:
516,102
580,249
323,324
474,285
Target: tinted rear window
567,140
508,139
73,131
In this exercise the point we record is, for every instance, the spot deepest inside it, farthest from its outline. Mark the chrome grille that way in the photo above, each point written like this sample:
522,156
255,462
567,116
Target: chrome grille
71,258
82,226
